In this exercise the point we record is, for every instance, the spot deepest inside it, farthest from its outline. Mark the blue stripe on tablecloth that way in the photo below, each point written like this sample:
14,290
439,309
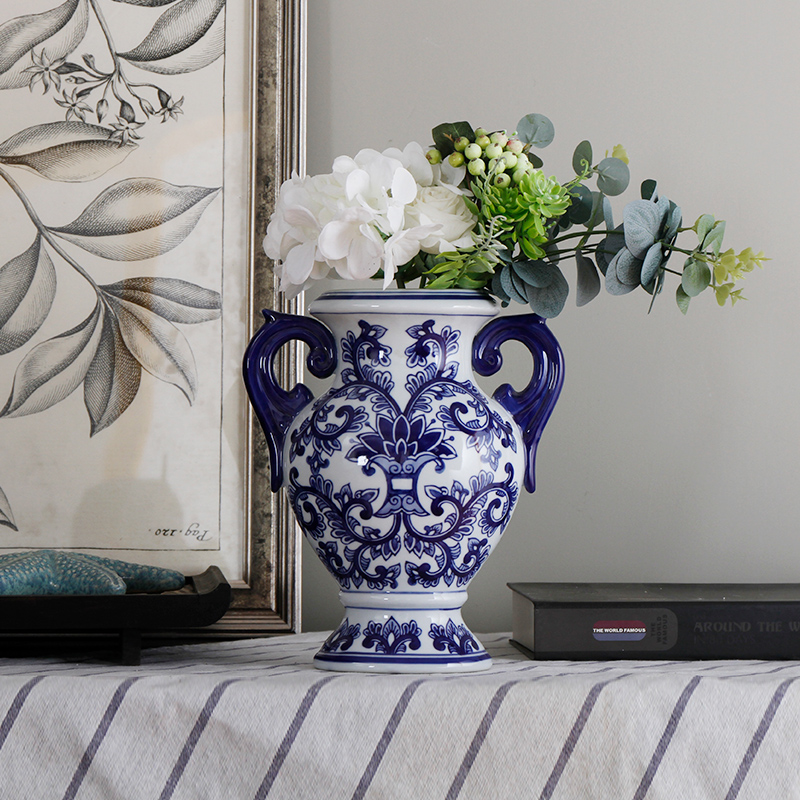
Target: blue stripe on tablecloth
97,739
386,738
197,731
15,707
480,736
666,738
572,739
758,738
291,734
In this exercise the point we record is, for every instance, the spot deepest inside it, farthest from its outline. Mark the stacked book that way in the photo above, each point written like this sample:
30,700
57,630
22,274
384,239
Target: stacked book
656,621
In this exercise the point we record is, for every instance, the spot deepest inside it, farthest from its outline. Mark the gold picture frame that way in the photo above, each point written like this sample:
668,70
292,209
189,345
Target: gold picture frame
269,603
139,487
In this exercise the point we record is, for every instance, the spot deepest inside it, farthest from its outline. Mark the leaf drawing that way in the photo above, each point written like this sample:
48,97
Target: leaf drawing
173,299
188,36
151,3
55,368
157,345
65,151
27,290
112,379
58,31
6,517
138,218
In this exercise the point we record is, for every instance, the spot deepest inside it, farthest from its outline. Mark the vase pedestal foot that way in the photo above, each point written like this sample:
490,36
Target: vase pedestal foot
408,632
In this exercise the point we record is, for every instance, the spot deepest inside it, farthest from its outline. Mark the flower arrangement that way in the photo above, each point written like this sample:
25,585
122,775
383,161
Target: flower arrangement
476,211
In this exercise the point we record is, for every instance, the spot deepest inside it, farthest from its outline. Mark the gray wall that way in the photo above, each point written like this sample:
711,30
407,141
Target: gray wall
673,452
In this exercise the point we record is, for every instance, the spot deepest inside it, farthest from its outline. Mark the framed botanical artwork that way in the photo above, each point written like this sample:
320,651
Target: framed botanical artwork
141,145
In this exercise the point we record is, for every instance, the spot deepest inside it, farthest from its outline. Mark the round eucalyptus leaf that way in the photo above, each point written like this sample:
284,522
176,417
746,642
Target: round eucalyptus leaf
608,248
642,223
696,277
608,213
497,289
613,284
509,286
580,210
588,284
682,299
538,274
536,130
613,176
649,190
549,301
535,160
582,157
652,261
674,219
628,268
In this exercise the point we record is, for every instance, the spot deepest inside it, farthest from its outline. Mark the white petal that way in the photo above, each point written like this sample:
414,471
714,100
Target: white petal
300,216
452,175
334,240
404,187
344,164
298,264
364,258
357,183
395,216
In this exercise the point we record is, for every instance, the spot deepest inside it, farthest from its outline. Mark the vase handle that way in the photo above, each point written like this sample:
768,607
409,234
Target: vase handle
532,407
274,406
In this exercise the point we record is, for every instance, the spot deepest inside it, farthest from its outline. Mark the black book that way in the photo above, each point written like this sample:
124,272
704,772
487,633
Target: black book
656,621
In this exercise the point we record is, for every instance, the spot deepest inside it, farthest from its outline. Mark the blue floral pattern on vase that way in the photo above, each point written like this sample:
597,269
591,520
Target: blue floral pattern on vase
392,637
404,474
445,526
342,638
453,638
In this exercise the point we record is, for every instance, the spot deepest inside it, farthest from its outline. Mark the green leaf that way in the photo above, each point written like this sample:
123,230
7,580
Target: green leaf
613,176
588,285
649,190
582,157
471,205
534,273
580,210
682,299
549,301
696,277
536,129
445,135
703,225
714,238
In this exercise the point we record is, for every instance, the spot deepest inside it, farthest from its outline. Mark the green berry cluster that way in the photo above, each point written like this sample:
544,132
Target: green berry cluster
498,157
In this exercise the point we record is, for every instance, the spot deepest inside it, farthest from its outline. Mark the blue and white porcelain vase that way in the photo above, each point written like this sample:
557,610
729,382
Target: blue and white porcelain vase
404,474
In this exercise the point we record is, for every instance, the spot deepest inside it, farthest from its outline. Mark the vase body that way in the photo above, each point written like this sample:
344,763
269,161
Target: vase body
404,475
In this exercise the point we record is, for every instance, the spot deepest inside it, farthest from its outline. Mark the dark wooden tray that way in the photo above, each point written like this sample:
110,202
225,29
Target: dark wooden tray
203,601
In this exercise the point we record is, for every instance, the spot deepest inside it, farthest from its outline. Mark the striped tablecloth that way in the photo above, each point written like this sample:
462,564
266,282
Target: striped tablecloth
253,719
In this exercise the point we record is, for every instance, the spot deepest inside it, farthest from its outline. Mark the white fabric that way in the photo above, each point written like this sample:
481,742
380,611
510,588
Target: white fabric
253,719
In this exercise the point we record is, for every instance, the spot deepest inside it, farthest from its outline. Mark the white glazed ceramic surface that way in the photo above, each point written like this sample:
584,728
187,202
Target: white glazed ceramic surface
403,477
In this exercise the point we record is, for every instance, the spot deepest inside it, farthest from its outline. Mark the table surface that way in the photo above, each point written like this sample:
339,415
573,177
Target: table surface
254,719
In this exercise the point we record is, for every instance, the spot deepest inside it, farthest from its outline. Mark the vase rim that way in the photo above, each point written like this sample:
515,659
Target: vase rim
443,301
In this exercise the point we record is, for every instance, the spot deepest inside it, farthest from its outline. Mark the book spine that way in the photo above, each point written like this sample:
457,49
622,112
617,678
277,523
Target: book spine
691,630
